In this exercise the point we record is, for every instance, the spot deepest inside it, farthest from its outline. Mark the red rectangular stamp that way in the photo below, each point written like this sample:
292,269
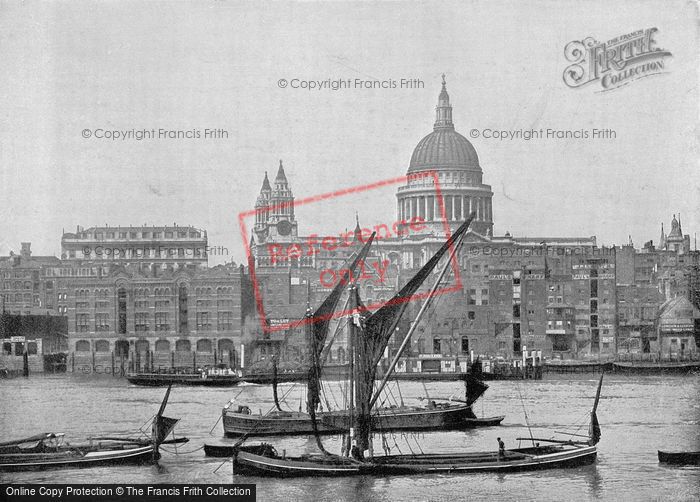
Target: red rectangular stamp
326,259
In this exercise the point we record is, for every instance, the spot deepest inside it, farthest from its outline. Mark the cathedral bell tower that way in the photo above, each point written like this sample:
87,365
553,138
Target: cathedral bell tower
274,211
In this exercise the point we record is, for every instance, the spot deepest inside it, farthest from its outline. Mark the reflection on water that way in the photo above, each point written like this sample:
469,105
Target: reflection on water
638,416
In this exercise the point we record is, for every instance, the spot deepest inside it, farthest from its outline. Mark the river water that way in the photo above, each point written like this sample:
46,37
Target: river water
638,415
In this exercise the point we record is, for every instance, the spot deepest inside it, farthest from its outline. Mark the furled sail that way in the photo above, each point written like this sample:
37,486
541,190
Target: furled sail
162,426
594,428
474,389
377,331
474,386
319,332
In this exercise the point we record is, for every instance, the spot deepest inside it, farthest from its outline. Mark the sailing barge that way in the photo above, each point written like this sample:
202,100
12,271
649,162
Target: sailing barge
438,414
369,336
50,451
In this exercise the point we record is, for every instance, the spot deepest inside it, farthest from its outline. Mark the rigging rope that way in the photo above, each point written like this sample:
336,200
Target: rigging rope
216,423
330,389
176,452
398,387
527,421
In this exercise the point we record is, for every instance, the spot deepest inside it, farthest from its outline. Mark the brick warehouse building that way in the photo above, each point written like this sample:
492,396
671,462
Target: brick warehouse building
174,319
133,296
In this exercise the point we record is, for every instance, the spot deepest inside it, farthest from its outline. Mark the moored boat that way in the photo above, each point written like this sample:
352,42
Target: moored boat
572,366
240,420
660,367
679,457
209,377
50,450
518,459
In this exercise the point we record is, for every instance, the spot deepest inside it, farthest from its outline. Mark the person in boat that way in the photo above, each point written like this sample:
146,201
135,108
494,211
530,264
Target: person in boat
501,449
356,453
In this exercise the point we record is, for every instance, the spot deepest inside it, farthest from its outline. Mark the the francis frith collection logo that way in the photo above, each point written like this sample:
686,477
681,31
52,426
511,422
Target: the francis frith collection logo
614,63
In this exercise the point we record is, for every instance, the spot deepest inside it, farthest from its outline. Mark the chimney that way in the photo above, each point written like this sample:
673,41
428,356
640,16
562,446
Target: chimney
26,250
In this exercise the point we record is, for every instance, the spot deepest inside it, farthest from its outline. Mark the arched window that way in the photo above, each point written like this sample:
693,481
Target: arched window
162,346
204,345
183,346
142,346
82,346
227,352
121,348
102,346
121,311
225,345
182,309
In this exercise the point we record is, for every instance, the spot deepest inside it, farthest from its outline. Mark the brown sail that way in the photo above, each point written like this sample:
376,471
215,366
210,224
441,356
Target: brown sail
319,331
377,330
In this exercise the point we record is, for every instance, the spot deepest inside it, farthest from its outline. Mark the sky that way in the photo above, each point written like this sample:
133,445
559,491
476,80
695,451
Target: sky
71,67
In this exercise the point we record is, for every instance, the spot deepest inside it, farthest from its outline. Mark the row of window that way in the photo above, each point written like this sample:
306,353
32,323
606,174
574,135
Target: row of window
225,345
146,292
20,285
182,234
161,322
20,273
21,298
19,348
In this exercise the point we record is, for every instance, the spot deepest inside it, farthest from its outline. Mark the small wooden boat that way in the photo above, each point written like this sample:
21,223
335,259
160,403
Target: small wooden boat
228,450
518,459
679,457
208,377
572,366
50,450
655,368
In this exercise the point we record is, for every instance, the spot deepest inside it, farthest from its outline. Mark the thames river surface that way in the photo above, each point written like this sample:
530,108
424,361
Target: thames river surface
638,416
